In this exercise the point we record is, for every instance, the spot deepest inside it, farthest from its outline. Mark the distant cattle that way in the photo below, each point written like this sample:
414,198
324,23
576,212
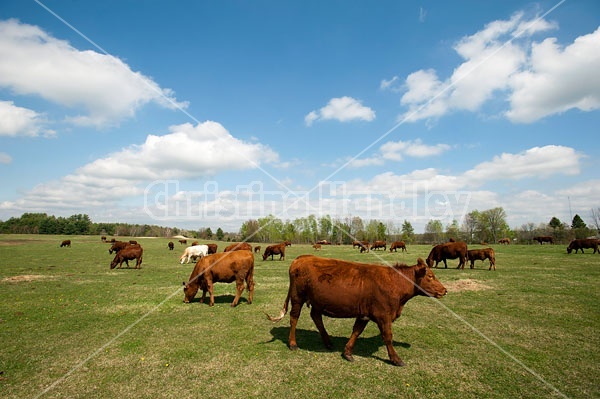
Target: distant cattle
581,243
195,243
170,245
133,242
543,239
398,244
212,248
364,246
355,244
182,242
343,289
103,238
191,253
65,243
379,244
504,241
448,250
257,249
126,254
225,267
482,254
317,247
277,249
242,246
323,242
287,243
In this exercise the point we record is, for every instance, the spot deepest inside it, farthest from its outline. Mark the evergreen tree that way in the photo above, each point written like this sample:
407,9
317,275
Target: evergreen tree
220,234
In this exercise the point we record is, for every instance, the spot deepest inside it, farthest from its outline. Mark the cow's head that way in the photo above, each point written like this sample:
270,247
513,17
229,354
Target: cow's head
427,283
113,264
190,290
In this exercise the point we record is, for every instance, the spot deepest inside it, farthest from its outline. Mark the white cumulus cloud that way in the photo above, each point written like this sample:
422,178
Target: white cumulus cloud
101,89
18,121
342,109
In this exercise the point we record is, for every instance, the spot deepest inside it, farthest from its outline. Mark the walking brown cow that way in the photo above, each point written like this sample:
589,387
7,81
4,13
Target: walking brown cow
398,244
343,289
482,254
225,267
448,250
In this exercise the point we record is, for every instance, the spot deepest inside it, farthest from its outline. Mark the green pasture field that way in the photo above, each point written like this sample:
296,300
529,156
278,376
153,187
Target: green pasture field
72,328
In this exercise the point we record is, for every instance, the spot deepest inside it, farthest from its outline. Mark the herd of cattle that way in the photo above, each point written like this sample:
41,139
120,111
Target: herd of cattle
331,287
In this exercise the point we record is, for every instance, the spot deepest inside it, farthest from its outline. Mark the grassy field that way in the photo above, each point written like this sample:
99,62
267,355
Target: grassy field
72,328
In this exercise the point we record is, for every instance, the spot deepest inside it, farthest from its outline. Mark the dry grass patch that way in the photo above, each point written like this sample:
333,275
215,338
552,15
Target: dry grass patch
466,285
26,278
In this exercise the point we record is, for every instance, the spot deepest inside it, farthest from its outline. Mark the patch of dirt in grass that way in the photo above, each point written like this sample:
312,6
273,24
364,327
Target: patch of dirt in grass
9,243
466,285
26,278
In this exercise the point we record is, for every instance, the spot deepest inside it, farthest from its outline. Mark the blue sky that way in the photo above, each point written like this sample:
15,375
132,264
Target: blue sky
206,114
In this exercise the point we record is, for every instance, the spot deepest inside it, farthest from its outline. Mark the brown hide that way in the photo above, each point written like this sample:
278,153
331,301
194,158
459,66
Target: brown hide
212,248
65,243
225,267
379,244
398,244
448,250
343,289
117,246
242,246
581,243
505,241
482,254
278,249
126,254
543,239
170,245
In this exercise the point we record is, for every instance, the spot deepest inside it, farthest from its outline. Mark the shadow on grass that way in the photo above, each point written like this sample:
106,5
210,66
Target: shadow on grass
219,299
311,340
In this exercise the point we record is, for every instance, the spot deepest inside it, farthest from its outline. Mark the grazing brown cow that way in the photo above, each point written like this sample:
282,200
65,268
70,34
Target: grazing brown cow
323,242
355,244
103,238
242,246
398,244
543,239
183,242
170,245
212,248
482,254
504,241
317,247
277,249
364,246
126,254
379,244
344,289
225,267
257,249
65,243
133,242
448,250
582,243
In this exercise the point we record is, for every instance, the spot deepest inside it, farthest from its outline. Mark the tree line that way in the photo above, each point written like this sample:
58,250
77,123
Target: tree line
486,226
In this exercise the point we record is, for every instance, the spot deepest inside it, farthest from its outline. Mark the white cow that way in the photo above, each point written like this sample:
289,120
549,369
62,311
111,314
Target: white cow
193,252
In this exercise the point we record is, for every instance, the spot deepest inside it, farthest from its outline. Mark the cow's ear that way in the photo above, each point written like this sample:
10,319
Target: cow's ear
421,268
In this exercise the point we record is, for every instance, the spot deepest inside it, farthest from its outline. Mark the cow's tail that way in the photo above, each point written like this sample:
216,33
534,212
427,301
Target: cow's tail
284,310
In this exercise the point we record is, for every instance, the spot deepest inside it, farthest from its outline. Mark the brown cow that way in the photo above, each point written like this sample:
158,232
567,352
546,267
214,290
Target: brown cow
117,246
398,244
65,243
543,239
183,242
194,243
257,249
277,249
448,250
212,248
133,242
482,254
504,241
103,238
126,254
242,246
355,244
364,246
379,244
344,289
317,247
582,243
225,267
170,245
287,243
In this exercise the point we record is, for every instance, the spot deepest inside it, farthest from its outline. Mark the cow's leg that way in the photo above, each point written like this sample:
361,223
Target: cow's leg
359,327
318,319
385,327
239,289
445,264
250,285
209,285
203,296
294,315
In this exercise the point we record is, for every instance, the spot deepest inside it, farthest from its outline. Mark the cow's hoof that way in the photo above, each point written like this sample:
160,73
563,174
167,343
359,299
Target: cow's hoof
293,347
348,357
398,362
